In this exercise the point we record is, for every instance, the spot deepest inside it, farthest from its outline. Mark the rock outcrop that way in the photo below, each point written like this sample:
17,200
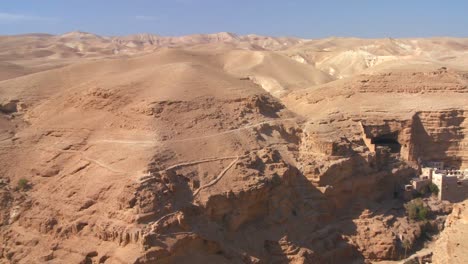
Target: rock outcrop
178,157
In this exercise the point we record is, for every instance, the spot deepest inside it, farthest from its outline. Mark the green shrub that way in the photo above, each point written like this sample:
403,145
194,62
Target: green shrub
23,184
433,189
416,210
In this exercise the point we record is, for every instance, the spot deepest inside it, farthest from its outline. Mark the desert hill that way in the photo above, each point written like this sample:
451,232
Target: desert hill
221,148
338,57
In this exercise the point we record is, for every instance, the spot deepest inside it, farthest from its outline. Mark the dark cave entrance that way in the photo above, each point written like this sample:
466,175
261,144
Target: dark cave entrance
388,140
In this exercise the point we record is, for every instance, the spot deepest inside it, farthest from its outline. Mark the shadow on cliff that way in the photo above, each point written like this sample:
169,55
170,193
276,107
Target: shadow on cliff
429,149
297,224
315,227
369,191
289,220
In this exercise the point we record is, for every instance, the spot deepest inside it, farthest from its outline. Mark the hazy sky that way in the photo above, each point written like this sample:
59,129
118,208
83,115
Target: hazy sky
301,18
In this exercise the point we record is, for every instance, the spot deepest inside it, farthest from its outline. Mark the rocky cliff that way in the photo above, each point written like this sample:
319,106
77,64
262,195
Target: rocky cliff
180,156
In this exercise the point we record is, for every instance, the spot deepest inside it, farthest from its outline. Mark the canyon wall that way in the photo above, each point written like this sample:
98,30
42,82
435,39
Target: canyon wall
428,136
442,136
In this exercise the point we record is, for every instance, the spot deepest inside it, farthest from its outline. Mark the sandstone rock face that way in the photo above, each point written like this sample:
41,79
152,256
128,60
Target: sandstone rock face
441,136
451,247
182,156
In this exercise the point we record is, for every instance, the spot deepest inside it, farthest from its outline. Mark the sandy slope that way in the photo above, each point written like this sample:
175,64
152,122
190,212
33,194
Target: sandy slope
145,148
338,57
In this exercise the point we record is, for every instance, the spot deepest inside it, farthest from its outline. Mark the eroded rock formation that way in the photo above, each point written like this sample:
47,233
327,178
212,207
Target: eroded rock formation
172,157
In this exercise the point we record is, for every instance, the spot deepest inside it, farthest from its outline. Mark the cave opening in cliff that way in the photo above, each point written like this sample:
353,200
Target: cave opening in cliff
388,140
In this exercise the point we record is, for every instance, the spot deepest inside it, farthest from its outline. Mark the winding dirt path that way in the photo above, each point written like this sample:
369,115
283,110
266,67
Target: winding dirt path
198,162
153,143
128,142
228,131
156,142
187,163
156,223
84,157
214,181
211,183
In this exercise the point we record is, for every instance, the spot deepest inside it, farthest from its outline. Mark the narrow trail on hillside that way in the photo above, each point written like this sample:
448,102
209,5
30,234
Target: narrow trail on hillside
150,143
194,162
128,142
198,162
187,163
229,131
156,142
101,164
84,157
214,181
155,224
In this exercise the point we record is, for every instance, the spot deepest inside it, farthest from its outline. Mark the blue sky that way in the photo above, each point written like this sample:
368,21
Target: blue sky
301,18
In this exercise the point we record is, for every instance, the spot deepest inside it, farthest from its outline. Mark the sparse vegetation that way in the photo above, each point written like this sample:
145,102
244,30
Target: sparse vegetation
416,210
23,184
433,189
406,246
